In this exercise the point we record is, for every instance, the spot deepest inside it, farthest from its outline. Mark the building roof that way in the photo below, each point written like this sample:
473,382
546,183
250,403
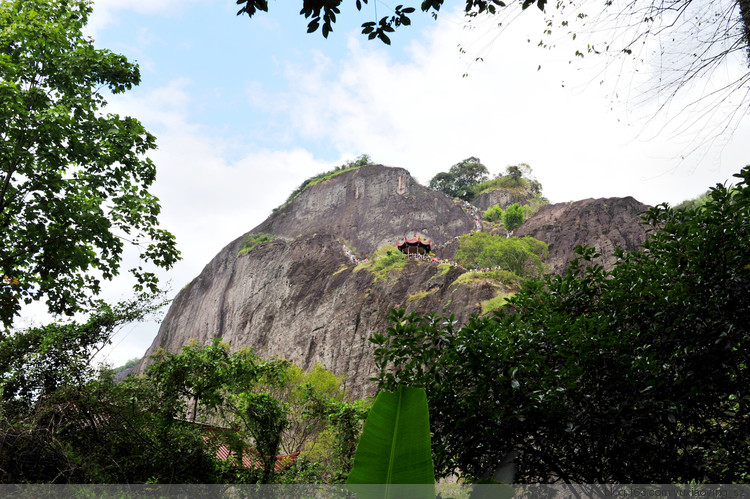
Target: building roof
251,458
414,241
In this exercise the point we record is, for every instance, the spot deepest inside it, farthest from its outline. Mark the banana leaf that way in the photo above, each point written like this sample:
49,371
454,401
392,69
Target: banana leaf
395,443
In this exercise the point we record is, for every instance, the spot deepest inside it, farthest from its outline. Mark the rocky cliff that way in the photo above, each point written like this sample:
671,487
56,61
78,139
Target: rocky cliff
503,197
369,207
302,297
606,224
304,300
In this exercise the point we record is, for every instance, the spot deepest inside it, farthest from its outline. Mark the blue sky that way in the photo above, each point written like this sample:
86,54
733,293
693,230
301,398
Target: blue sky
245,110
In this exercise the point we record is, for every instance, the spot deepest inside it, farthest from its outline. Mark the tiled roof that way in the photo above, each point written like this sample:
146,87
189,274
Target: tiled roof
251,458
413,240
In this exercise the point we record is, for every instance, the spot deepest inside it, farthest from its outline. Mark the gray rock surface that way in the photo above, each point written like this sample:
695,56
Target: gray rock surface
503,197
370,207
305,301
605,224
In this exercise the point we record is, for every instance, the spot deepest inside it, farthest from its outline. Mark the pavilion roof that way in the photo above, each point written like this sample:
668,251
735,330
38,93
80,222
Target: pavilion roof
414,241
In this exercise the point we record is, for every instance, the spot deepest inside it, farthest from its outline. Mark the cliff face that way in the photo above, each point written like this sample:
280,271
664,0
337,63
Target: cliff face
502,197
370,207
605,224
302,298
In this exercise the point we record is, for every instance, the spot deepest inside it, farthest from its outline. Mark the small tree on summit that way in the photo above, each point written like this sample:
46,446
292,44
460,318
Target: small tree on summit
460,179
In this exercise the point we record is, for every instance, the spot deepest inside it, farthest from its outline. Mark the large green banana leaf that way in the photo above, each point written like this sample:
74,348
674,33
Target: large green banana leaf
395,443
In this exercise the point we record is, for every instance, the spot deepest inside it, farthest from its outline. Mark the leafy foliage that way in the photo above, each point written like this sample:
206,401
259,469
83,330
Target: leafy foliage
74,182
386,260
62,422
638,375
36,362
495,303
274,404
694,203
513,217
494,213
516,177
127,365
505,277
521,256
460,180
395,443
326,11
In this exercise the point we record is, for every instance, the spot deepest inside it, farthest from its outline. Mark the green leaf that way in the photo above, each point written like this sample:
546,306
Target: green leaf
395,443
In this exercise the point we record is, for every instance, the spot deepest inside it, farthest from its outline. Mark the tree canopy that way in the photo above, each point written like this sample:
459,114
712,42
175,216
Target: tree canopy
522,256
74,181
461,179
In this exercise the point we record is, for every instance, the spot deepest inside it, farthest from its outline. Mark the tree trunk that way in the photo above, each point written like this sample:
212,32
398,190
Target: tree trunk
745,15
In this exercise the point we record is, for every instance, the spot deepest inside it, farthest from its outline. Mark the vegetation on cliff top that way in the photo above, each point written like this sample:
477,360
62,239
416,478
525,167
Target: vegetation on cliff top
516,178
362,160
460,180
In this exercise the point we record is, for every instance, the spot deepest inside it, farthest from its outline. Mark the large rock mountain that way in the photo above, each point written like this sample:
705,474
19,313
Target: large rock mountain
303,298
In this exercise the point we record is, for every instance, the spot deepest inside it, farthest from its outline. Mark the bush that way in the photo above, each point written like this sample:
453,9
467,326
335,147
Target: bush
253,240
512,217
384,261
494,214
522,257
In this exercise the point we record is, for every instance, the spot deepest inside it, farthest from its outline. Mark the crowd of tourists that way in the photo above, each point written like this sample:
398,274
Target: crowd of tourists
352,257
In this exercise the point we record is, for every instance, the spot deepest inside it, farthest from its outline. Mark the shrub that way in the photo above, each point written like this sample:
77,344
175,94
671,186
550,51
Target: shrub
522,257
384,261
512,217
253,240
494,214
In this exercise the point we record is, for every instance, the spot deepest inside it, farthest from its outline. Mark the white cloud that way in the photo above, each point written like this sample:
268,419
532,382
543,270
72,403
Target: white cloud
422,115
106,12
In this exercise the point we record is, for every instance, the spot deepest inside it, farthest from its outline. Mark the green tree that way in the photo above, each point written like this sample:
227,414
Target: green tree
460,180
63,421
273,403
512,217
74,181
635,375
445,183
34,363
514,172
522,256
